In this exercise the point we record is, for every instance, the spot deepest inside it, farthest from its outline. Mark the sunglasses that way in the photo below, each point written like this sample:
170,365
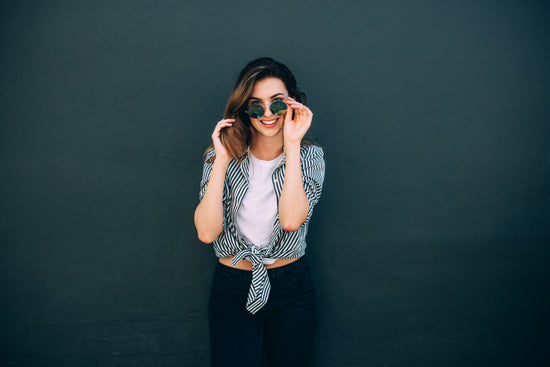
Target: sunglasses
256,110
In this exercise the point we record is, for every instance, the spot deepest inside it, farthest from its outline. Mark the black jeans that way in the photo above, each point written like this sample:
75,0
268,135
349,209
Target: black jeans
279,334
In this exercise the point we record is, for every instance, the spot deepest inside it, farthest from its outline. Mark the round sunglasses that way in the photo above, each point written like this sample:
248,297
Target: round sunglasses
256,110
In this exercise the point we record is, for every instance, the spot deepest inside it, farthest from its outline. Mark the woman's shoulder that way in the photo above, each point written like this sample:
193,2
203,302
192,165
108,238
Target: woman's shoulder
209,154
311,150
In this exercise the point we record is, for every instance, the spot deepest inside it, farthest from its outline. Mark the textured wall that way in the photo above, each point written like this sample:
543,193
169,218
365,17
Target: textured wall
430,245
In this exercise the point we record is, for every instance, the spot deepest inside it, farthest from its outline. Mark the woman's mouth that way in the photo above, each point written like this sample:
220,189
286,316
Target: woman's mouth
269,123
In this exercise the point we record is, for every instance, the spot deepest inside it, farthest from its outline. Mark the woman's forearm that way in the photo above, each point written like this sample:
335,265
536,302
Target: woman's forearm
209,212
293,202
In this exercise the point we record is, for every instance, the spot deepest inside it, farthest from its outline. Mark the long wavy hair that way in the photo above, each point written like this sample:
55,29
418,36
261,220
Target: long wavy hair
237,139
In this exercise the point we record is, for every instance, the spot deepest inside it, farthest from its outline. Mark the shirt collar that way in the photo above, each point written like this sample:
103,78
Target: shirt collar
245,162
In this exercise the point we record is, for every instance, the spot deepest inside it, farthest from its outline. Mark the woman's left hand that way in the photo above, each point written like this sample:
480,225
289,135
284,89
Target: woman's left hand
295,129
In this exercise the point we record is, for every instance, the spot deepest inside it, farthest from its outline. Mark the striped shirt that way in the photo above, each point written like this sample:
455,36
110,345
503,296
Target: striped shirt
283,244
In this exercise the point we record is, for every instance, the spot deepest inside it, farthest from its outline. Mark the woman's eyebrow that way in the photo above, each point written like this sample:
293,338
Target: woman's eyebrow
273,96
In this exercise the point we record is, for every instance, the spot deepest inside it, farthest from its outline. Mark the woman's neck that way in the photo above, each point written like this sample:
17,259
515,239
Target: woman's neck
266,149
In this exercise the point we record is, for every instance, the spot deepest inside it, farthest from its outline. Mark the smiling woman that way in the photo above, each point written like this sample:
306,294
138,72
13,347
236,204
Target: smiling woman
265,122
260,184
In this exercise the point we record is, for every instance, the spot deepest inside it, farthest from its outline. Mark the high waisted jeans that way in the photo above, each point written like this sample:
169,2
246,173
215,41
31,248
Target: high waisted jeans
279,334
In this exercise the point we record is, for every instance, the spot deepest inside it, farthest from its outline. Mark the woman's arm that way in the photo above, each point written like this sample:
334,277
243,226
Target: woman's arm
293,202
209,212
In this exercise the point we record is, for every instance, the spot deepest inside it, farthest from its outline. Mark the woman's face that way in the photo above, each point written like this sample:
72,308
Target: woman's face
265,92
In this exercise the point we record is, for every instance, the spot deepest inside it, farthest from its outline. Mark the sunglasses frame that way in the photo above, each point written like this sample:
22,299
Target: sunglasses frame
260,110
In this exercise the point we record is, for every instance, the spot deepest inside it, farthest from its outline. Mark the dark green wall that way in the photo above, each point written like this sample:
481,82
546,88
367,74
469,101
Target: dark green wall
430,245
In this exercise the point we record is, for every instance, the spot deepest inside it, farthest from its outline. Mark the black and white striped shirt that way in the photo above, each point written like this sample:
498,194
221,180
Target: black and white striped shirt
283,244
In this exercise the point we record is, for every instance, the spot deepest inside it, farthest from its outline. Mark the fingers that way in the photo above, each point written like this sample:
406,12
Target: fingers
221,124
301,112
298,106
288,115
218,146
225,122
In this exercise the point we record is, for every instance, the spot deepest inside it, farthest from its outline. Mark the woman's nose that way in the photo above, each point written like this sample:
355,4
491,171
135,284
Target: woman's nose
267,112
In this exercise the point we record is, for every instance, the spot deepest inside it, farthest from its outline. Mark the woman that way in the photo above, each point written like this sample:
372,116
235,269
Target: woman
259,186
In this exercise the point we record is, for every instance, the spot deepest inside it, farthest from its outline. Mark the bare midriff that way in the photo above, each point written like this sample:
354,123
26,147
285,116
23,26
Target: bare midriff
247,265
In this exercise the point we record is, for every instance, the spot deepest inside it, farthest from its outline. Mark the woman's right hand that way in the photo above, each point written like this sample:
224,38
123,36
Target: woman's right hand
221,152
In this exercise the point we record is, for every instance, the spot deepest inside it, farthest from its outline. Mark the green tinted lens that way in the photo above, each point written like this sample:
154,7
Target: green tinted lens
278,108
255,111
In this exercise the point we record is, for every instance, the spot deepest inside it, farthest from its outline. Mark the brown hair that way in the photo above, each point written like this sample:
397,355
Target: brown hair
237,139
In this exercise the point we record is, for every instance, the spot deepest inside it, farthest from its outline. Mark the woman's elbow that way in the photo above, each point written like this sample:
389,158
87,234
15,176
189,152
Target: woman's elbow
207,237
291,226
293,220
207,233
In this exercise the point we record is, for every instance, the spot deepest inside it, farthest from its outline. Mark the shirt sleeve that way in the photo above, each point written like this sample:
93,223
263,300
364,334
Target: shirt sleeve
206,171
313,173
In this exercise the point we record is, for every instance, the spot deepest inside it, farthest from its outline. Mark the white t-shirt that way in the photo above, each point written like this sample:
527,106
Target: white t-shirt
258,211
